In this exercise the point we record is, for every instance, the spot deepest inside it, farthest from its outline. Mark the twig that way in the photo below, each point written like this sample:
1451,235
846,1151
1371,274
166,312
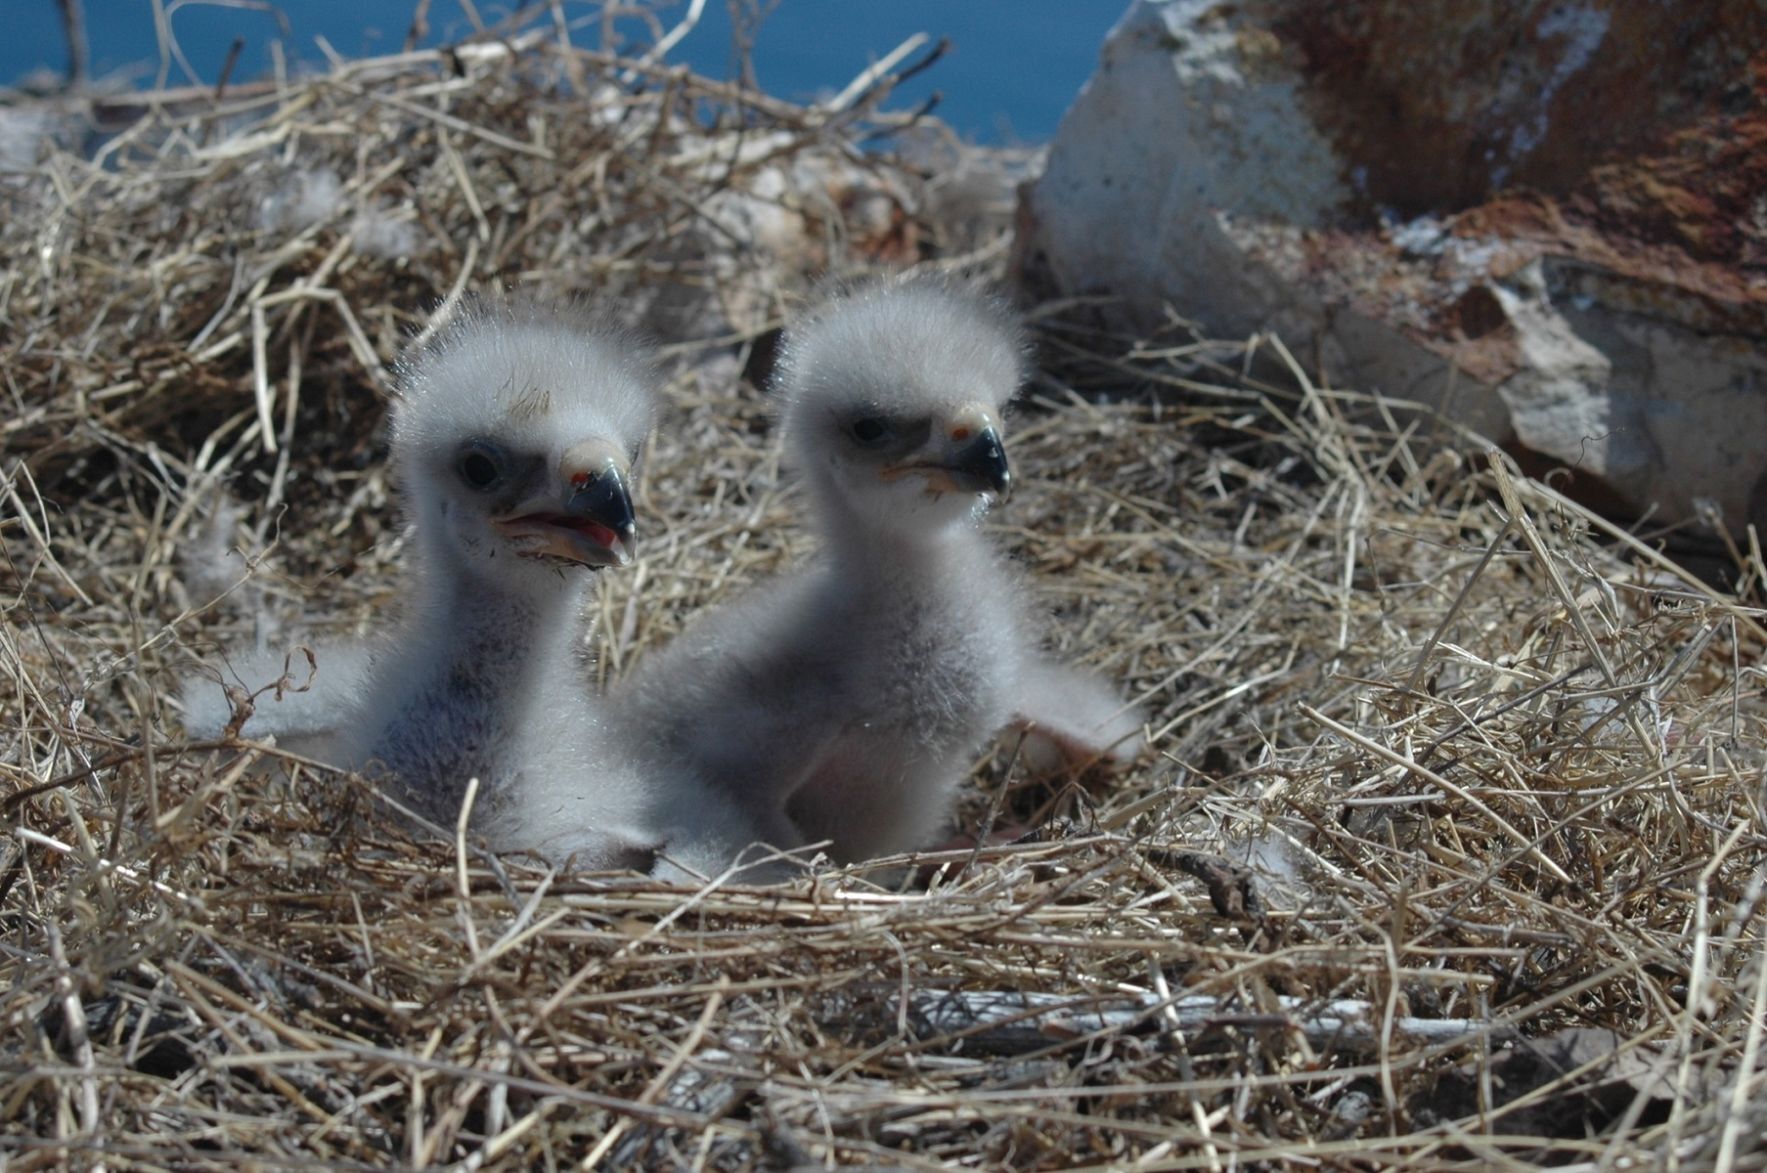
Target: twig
73,24
1529,846
665,43
1013,1022
869,78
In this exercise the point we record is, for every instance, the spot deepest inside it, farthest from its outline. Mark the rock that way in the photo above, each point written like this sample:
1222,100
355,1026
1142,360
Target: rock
1548,219
786,210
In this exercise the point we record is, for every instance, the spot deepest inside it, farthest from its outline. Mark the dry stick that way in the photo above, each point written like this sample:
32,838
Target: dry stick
1738,1119
73,1012
231,60
600,964
662,1083
291,404
667,42
462,888
261,376
197,801
1513,703
1681,663
563,28
73,23
1512,502
86,772
1747,616
1348,533
1530,847
501,1142
1712,518
162,29
1267,585
467,192
1012,1021
1496,865
358,340
37,534
1429,645
1177,1042
874,73
343,985
1757,563
1619,1130
1735,684
444,313
332,1049
199,988
1331,424
419,28
460,124
523,928
915,69
1697,981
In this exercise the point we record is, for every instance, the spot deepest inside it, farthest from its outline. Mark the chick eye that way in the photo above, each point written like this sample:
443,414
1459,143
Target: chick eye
870,430
479,467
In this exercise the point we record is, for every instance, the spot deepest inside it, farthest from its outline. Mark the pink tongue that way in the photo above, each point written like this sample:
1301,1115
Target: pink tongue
600,534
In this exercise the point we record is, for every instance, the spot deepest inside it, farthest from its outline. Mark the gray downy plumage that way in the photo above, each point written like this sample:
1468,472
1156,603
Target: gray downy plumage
844,703
513,443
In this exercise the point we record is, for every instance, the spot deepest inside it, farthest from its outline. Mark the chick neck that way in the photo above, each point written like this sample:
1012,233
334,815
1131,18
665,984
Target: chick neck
484,647
489,627
874,554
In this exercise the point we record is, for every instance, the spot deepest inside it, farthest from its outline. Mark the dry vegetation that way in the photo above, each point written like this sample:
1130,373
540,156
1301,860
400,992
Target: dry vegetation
1455,790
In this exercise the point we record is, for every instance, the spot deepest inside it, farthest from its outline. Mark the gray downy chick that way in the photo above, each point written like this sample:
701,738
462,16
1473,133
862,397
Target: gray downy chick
513,443
845,702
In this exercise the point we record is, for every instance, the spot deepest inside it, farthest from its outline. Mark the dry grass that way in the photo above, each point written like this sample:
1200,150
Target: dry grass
1495,773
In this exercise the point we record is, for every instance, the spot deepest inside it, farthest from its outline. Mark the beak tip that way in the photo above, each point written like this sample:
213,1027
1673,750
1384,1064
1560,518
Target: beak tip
983,463
605,498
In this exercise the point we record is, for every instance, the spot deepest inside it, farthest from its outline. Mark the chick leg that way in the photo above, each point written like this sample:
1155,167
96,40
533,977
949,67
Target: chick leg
1071,718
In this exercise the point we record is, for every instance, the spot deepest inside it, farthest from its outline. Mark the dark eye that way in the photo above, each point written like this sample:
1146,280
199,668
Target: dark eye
479,466
869,430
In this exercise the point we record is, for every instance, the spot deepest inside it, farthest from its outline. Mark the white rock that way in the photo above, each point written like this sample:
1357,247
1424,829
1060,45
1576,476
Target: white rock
1216,163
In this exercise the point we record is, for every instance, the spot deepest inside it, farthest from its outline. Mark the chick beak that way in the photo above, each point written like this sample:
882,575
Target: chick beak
981,466
971,457
586,518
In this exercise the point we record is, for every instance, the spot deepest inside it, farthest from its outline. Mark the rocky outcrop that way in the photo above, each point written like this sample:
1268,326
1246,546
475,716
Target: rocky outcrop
1548,218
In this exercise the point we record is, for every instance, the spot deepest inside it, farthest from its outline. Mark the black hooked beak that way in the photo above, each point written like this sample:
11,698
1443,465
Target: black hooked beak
981,465
594,527
604,499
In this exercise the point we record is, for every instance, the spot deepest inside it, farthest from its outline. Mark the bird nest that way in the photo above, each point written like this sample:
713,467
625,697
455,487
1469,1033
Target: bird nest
1446,848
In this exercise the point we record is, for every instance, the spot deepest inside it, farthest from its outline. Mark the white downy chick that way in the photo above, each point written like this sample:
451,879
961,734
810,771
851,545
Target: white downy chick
845,703
513,444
